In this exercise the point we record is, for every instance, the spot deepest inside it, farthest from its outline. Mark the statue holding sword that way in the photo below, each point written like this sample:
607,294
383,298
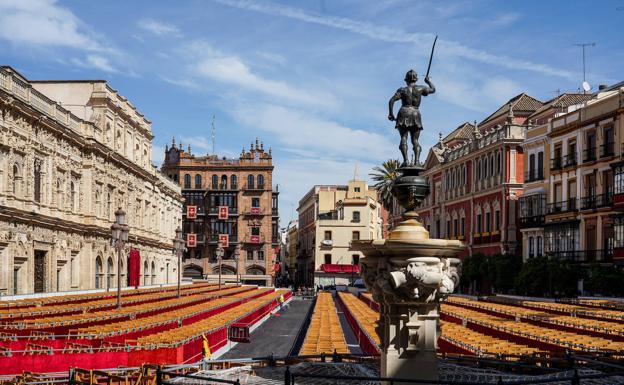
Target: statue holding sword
408,121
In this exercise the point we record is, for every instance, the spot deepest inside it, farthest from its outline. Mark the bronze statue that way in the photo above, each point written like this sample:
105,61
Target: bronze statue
409,121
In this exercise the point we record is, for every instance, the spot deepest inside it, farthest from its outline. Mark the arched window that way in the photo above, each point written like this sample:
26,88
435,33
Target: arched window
260,181
223,182
187,181
37,186
72,188
98,202
198,181
145,273
98,273
109,206
153,282
250,181
17,180
109,273
215,182
233,182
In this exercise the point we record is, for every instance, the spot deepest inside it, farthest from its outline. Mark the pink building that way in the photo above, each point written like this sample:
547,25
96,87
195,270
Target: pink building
476,176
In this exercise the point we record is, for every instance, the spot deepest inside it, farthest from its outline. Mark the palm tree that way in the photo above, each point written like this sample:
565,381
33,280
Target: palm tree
384,178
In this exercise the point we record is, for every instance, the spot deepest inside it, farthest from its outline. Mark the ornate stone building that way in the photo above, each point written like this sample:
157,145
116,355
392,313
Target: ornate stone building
71,153
235,203
476,176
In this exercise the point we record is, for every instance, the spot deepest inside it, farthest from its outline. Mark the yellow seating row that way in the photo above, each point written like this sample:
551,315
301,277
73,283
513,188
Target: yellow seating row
131,311
366,317
538,333
186,333
479,343
128,326
607,327
576,310
325,333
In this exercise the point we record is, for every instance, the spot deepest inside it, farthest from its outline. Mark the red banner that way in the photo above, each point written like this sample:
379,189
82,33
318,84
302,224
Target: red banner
134,268
255,239
191,240
223,212
224,239
191,212
277,267
255,210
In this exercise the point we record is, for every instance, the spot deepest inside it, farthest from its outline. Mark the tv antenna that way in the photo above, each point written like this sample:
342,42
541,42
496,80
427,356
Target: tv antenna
583,45
214,136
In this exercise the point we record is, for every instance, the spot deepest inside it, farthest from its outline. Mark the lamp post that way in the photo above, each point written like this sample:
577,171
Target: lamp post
119,233
237,253
219,253
178,245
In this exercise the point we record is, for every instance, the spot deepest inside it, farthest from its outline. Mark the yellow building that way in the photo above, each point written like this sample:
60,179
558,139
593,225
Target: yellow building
330,217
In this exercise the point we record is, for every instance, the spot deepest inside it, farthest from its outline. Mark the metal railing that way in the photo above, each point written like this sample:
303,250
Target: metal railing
561,207
589,154
569,160
532,221
215,210
593,201
583,255
214,239
533,175
556,163
607,149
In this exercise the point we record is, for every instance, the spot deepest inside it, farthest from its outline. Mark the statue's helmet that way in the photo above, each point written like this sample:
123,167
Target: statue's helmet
411,76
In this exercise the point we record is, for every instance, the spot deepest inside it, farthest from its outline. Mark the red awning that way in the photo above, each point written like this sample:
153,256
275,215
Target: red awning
338,268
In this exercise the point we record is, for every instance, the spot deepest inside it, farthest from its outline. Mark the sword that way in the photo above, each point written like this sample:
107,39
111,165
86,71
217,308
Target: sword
431,56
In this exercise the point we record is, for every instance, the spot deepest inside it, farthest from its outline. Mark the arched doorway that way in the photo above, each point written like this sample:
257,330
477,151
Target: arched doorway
193,271
153,281
145,273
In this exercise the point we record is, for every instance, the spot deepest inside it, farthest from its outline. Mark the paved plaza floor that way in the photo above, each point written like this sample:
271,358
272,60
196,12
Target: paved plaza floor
276,335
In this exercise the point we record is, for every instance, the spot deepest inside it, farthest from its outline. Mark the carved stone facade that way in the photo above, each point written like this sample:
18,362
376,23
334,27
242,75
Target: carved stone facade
71,153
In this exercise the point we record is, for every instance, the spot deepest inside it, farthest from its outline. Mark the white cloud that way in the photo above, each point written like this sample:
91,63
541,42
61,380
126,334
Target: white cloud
158,155
300,131
158,27
95,61
420,39
44,23
479,94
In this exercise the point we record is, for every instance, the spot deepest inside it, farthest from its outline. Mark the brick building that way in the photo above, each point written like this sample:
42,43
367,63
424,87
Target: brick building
475,175
235,204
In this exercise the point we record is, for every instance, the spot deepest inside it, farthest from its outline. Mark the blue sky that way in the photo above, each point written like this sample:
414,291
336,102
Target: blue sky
311,78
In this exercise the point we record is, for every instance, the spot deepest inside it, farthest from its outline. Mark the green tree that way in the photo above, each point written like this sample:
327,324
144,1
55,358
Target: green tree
384,178
605,280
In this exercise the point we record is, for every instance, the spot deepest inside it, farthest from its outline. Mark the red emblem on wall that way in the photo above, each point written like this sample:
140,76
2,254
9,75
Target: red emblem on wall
224,239
191,212
255,239
255,210
223,212
191,240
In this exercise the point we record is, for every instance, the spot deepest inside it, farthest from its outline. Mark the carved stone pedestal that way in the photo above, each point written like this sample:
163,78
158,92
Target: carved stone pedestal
409,275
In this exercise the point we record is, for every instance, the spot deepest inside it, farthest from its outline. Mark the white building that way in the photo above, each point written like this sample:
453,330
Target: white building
71,153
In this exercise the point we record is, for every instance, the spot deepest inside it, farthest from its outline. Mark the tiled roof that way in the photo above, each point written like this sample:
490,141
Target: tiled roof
519,103
463,132
563,101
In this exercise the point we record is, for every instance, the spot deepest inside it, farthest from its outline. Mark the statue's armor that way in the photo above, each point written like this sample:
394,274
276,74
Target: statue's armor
409,114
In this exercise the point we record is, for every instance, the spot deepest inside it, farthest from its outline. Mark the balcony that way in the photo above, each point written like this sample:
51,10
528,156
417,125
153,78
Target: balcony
583,255
592,201
340,268
589,155
254,187
213,239
556,164
561,207
254,239
607,149
532,176
327,243
532,221
569,160
253,211
215,210
224,187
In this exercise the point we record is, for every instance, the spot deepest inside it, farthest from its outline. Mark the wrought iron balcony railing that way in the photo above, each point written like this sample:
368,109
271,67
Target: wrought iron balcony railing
582,255
589,154
569,160
532,221
607,149
533,175
593,201
556,163
561,207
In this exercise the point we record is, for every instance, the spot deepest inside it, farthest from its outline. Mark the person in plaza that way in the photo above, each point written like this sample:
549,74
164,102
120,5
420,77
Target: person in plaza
281,301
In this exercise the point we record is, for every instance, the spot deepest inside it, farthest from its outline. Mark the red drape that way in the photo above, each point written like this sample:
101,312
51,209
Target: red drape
134,268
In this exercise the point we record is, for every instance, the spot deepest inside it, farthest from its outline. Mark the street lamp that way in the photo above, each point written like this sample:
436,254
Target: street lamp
178,245
119,233
219,254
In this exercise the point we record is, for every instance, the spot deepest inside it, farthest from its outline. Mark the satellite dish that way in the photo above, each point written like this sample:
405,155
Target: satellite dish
586,87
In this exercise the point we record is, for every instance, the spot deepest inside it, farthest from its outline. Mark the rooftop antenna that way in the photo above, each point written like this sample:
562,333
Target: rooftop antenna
583,45
214,136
